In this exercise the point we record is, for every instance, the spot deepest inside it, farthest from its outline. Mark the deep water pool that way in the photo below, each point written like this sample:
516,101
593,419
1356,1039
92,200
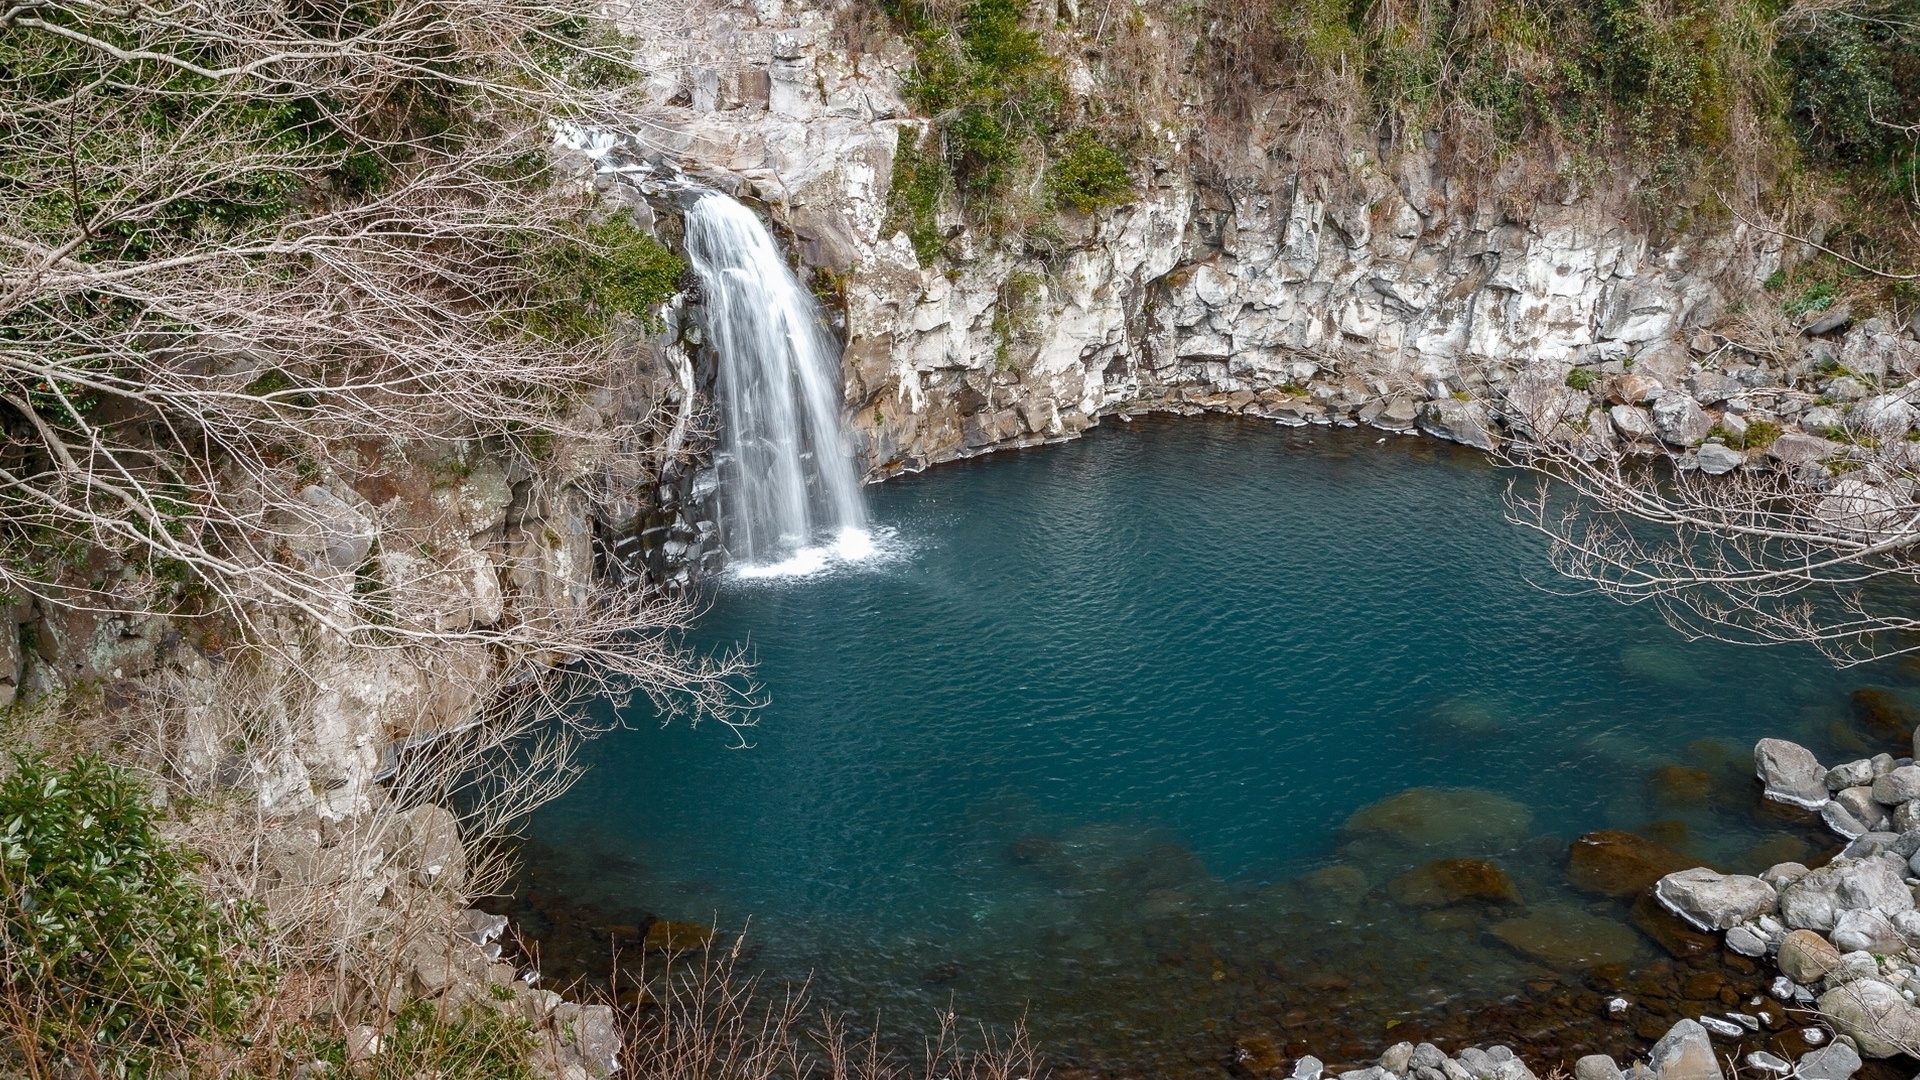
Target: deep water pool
1089,746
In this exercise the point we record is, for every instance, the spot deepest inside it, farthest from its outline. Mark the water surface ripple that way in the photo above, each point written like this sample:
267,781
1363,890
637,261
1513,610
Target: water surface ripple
1085,750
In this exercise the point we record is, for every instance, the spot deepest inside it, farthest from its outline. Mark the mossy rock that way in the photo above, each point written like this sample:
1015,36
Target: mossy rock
1453,881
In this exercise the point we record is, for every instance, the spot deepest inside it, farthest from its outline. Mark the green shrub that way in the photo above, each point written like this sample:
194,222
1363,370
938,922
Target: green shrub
1582,379
1760,434
110,947
1089,175
913,202
475,1044
596,272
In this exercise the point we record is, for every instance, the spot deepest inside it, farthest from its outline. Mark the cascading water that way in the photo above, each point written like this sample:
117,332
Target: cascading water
789,495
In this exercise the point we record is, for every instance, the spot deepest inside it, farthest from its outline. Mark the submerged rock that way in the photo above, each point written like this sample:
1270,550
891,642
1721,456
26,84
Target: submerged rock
1453,881
1622,864
1566,937
677,937
1443,818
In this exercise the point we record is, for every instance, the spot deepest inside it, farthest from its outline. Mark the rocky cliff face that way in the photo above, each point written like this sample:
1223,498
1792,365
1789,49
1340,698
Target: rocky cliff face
1309,296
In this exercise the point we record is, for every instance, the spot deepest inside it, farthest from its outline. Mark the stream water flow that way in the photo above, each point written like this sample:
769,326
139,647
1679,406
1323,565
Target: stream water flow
790,497
1197,741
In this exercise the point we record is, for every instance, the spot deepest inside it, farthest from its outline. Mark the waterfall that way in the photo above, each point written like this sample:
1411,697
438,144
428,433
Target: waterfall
789,494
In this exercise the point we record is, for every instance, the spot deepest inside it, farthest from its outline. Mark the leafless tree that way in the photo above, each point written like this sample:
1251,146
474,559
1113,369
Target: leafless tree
1821,548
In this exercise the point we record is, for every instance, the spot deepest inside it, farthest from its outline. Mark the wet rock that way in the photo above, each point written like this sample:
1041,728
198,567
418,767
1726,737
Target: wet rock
1668,930
1622,864
1899,786
1859,802
677,937
1746,941
1453,881
1769,1063
1714,901
1566,937
1680,784
1337,886
1841,820
1836,1062
1596,1067
1867,931
1816,901
1257,1055
1443,818
1791,773
1465,422
1880,1021
1884,715
1806,957
1685,1053
1308,1068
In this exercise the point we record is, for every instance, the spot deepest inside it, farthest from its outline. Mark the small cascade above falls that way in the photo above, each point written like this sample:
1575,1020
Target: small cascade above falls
790,497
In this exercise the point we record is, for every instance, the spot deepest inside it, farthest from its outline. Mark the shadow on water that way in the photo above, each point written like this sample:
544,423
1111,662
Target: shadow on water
1202,745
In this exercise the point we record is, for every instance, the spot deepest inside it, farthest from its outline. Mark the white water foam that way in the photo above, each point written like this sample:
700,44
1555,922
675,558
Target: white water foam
850,549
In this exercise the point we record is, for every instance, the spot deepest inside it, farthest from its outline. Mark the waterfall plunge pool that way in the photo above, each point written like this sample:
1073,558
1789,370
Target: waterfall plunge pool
1090,746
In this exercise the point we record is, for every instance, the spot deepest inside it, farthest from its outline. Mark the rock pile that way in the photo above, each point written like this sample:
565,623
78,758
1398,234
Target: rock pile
1685,1053
1845,936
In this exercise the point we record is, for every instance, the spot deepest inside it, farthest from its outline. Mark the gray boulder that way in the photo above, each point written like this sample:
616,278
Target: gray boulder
1850,774
1859,802
1397,1058
1837,319
1769,1063
1680,420
1685,1053
1715,901
1885,417
1597,1067
1308,1068
1874,1014
1715,459
1816,901
1835,1062
1465,422
1846,388
1842,821
1711,387
1867,931
1791,773
1633,423
1900,785
1780,875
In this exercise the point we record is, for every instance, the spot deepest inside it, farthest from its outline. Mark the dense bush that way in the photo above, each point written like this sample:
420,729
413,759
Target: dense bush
110,951
1089,174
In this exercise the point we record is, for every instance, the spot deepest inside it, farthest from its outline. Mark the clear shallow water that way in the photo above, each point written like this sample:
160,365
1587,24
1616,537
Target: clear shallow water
1083,748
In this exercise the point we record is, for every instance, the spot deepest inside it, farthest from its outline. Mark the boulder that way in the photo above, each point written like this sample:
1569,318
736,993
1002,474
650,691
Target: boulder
1715,901
1885,417
1836,1061
1837,319
1806,957
1791,773
1879,1020
1680,420
1635,389
1747,941
1453,881
1781,875
1842,821
1623,864
1685,1053
1716,459
1816,901
1846,388
1465,422
1712,387
1797,449
1597,1067
1867,931
1633,422
1900,785
1850,774
1859,802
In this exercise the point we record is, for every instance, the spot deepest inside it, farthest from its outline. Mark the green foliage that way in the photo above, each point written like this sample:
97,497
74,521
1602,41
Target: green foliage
107,935
1089,175
1582,379
1855,74
596,272
476,1044
1818,296
913,202
1760,435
